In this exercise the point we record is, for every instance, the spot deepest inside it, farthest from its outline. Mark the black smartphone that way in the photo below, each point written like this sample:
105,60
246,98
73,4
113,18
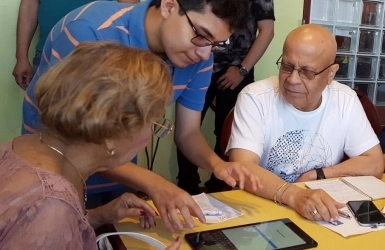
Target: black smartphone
366,213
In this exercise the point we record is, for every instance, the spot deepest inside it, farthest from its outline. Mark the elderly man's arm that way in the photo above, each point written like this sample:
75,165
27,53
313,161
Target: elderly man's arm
304,201
371,162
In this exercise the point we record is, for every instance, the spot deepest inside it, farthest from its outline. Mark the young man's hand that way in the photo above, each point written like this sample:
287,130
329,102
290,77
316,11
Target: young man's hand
234,172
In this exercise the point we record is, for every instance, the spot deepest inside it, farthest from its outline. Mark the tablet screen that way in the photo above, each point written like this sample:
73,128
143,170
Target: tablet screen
277,234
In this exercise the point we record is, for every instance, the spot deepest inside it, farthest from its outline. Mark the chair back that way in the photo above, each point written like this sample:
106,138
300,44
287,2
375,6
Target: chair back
370,110
226,132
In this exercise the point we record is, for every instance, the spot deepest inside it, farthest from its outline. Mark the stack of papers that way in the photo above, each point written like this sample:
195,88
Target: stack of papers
215,211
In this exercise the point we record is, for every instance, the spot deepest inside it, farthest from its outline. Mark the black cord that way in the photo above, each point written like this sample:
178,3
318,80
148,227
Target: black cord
154,155
150,166
147,159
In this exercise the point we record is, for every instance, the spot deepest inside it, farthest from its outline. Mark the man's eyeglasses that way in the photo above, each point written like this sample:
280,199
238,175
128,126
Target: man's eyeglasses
303,73
200,40
162,127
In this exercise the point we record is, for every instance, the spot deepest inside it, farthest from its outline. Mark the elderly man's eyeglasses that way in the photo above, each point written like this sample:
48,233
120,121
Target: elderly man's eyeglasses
303,73
162,127
200,40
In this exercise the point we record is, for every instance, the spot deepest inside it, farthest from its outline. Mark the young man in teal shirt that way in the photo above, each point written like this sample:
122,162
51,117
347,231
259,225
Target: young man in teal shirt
45,13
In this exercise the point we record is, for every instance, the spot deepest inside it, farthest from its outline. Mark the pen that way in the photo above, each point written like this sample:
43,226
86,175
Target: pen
344,214
212,212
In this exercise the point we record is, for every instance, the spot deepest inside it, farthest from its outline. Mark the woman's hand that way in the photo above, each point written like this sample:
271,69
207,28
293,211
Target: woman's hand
126,205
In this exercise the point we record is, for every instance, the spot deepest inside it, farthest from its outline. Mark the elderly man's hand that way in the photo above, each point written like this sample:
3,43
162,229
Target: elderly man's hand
234,172
168,198
316,204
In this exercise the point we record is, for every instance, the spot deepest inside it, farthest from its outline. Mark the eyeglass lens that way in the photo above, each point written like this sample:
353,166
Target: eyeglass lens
162,127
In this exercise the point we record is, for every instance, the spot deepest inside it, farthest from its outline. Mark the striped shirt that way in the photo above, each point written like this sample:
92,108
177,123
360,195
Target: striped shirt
111,21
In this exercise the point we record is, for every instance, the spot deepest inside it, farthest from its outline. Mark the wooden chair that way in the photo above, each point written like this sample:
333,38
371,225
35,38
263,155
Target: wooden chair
370,110
226,132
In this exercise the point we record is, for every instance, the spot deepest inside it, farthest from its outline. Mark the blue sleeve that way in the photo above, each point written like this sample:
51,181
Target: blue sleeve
193,97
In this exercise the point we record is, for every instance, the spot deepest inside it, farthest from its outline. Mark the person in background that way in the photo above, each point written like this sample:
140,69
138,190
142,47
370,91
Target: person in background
233,70
181,32
296,127
45,13
100,106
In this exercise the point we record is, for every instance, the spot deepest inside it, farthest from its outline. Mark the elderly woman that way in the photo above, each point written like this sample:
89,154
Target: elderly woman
100,106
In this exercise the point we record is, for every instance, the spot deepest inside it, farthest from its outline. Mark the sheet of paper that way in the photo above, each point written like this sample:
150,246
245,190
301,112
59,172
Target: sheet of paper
207,202
348,227
337,190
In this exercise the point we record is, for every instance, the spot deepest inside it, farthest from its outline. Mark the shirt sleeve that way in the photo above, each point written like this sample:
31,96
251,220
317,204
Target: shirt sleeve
193,96
47,224
263,9
247,131
360,136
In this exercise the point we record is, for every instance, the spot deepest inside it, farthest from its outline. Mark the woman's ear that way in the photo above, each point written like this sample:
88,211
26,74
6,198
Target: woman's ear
110,146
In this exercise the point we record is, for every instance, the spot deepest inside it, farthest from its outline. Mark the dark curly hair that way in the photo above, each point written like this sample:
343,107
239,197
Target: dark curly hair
235,12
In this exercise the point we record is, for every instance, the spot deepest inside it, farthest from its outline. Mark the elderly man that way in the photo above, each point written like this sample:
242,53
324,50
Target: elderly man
297,127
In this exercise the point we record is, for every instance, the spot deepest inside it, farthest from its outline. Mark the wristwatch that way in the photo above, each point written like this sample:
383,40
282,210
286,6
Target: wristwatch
320,174
243,70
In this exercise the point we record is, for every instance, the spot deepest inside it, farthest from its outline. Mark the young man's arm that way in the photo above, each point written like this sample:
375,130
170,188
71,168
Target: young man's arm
26,27
190,141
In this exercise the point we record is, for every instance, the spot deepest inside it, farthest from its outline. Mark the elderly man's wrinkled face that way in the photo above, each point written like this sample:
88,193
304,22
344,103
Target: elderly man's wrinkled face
298,89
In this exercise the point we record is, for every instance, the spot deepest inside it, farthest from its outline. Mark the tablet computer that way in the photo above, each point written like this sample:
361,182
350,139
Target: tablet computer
275,234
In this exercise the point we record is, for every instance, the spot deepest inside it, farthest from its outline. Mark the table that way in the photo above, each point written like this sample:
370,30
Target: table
257,209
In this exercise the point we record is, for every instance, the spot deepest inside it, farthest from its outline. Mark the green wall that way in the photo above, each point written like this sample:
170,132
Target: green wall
165,162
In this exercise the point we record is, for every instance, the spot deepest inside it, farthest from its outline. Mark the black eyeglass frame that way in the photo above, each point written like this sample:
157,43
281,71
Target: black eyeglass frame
216,45
278,63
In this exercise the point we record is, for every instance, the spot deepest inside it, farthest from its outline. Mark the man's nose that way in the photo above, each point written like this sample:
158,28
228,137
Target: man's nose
294,77
204,52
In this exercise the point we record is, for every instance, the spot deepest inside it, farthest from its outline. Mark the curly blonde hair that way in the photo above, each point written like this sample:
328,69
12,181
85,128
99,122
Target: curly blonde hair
102,90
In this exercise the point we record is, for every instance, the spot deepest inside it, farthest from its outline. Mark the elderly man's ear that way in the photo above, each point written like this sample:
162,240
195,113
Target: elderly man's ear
332,72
